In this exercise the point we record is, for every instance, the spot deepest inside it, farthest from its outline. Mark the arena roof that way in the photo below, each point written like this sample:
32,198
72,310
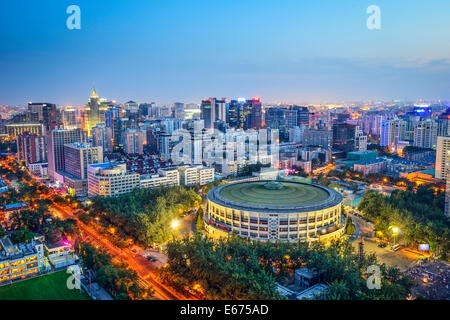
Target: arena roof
275,196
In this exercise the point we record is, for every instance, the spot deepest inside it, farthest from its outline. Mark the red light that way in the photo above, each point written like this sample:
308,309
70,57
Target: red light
256,98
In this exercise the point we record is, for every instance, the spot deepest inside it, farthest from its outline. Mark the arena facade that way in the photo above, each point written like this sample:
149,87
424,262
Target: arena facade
275,210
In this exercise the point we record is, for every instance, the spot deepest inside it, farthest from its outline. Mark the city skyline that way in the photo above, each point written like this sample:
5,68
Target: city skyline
179,51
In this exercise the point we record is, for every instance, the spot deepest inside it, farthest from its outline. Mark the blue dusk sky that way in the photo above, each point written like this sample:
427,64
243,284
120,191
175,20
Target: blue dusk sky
168,50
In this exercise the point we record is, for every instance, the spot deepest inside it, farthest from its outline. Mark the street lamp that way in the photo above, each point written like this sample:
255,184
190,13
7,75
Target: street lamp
175,224
395,231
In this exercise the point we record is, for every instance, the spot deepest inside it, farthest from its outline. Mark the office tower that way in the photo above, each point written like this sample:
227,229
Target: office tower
281,119
318,137
296,134
178,110
411,122
15,129
234,114
164,145
31,148
94,112
378,123
47,114
56,139
78,156
208,113
131,107
302,115
213,109
443,123
392,131
133,142
360,140
443,158
252,113
70,117
102,136
344,136
425,134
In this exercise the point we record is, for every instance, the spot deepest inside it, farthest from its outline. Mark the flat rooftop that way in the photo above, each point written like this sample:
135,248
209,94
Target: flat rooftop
275,196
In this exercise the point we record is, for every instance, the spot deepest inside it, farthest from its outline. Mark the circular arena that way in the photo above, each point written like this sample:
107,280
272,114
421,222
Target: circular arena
275,210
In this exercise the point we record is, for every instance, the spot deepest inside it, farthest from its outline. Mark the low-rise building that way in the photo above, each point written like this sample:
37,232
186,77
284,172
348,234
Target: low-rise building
376,166
20,261
60,254
108,179
165,178
195,175
7,212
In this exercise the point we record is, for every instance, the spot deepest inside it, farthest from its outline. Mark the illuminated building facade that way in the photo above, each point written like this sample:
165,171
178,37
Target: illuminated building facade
273,211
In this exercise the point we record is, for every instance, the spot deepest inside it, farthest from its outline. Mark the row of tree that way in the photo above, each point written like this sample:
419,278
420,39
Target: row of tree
146,214
235,268
117,278
419,216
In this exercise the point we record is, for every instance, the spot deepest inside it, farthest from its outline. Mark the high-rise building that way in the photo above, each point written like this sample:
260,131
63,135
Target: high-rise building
213,109
133,142
392,131
302,115
281,119
425,134
443,158
178,110
360,140
15,129
94,112
47,114
78,156
253,114
318,137
31,148
56,139
102,136
70,117
234,114
344,135
131,107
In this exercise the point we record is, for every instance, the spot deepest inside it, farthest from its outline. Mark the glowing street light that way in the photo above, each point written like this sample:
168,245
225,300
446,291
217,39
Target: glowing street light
395,231
175,224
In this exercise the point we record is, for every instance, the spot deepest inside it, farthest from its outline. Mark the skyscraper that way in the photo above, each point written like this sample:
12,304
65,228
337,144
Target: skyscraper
102,136
392,131
253,114
133,142
443,158
425,134
56,139
78,156
47,114
302,115
213,109
31,148
281,119
94,112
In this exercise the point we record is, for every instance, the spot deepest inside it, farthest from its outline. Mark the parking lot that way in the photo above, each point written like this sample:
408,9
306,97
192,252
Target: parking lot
403,258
